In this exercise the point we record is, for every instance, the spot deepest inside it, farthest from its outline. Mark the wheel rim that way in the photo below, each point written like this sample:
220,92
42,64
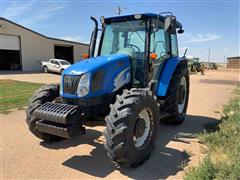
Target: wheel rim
142,127
182,94
45,69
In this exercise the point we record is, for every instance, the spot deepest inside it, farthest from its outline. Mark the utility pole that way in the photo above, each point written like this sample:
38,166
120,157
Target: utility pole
224,61
209,57
119,10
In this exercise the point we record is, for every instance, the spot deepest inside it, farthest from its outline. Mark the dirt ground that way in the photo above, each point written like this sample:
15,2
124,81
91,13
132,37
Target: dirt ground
26,157
45,78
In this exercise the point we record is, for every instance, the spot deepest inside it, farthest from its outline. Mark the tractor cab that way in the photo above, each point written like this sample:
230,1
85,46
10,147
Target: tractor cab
145,38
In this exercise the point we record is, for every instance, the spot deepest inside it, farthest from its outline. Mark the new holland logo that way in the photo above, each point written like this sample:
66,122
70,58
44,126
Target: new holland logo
73,72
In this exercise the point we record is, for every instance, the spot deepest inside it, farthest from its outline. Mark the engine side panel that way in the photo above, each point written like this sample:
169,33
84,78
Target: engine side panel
166,75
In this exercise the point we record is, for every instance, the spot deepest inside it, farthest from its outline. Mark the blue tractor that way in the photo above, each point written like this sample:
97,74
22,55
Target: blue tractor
135,79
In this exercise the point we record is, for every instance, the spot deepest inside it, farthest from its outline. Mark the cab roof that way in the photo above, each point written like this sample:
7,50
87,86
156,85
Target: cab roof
143,16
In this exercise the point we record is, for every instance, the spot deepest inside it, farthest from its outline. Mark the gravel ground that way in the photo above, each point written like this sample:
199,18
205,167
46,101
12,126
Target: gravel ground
26,157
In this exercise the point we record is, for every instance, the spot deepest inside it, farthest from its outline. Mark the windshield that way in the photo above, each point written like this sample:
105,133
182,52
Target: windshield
64,63
127,37
121,35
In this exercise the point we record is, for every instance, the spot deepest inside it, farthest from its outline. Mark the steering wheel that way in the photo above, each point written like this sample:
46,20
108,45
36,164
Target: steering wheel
134,46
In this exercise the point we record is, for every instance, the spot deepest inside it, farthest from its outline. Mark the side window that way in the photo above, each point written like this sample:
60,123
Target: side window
107,45
158,43
57,63
174,45
53,62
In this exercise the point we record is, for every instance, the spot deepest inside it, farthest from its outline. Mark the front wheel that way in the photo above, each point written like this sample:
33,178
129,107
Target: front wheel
45,69
46,93
131,127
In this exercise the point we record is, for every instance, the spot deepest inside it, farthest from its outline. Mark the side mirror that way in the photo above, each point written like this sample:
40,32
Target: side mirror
180,31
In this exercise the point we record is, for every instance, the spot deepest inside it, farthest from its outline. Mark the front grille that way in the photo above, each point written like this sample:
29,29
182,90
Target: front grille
70,84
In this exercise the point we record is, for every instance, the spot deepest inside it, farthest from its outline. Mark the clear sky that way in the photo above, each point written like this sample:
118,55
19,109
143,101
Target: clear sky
207,24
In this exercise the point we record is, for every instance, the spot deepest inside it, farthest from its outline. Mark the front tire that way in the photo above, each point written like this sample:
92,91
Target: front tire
131,127
176,100
45,69
46,93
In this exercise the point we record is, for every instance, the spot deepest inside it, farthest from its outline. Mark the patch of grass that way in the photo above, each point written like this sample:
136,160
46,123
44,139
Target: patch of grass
223,159
14,94
204,171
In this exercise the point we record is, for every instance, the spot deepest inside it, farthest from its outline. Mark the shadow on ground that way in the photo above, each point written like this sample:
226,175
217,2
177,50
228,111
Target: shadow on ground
164,161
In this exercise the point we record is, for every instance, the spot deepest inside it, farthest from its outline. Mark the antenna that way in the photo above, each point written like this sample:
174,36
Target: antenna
119,10
185,52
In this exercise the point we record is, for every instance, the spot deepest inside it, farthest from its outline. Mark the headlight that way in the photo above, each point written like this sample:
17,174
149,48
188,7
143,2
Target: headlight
83,86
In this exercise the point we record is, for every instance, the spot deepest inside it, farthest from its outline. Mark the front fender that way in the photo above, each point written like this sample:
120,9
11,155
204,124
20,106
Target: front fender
166,75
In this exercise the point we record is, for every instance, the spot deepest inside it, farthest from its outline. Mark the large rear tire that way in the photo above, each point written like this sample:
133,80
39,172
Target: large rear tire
131,127
176,101
46,93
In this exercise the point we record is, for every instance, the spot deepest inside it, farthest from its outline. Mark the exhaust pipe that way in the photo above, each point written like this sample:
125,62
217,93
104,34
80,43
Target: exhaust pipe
93,38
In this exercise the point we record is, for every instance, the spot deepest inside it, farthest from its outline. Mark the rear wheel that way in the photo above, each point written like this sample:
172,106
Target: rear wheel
176,101
131,127
47,93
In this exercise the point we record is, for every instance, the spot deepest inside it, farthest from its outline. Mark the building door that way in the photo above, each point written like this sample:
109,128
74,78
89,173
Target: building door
64,52
10,53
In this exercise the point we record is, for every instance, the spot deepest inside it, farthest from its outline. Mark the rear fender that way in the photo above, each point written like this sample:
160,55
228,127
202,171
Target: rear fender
166,75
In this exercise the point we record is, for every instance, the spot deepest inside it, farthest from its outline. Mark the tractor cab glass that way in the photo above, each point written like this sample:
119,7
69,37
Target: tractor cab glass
158,40
140,39
127,37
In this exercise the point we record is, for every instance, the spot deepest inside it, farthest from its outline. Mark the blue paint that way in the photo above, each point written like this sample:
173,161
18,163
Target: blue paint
166,76
112,65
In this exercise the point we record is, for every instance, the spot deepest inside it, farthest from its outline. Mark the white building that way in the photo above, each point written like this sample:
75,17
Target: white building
24,49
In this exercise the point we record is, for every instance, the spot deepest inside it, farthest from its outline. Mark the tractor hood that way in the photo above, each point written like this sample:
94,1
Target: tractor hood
97,63
107,75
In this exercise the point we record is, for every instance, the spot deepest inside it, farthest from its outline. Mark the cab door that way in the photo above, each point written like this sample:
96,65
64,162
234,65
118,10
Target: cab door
159,45
54,65
57,66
